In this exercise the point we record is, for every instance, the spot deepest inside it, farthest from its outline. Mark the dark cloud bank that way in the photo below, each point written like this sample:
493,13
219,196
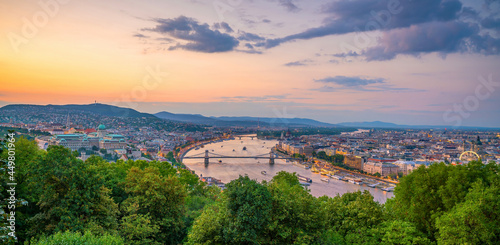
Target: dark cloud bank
408,27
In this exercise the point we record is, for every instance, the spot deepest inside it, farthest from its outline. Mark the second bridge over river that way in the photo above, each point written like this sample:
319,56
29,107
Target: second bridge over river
207,155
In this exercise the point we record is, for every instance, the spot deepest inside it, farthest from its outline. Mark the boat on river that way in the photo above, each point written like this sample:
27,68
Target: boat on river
337,177
303,178
373,185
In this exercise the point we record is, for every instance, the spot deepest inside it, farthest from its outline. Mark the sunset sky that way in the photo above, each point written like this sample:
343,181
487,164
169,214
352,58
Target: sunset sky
409,62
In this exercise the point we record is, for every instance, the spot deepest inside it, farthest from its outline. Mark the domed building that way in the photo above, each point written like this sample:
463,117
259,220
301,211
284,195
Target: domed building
101,131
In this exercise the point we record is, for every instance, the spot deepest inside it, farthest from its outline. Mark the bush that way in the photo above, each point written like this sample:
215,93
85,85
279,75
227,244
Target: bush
76,238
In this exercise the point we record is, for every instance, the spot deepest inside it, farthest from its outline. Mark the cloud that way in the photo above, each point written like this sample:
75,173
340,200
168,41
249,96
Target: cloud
350,81
344,55
245,36
194,36
406,27
224,26
491,23
441,37
367,15
337,83
299,63
289,5
295,63
265,98
139,35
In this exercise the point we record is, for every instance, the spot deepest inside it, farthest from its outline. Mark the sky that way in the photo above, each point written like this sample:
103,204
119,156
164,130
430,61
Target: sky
426,62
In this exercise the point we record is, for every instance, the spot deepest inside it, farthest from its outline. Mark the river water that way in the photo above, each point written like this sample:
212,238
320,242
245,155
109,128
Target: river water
231,169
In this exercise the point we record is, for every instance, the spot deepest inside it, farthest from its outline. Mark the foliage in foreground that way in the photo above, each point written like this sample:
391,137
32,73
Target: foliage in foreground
75,238
64,200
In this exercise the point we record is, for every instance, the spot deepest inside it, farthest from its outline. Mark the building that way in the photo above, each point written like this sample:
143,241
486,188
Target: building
101,131
406,167
307,150
354,161
72,141
330,151
384,169
100,139
381,160
112,142
43,141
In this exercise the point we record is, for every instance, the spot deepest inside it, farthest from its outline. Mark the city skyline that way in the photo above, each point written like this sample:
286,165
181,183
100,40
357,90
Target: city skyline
427,63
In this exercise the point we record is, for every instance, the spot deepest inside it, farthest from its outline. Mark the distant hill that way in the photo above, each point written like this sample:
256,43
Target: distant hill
101,109
243,121
374,124
192,118
270,120
379,124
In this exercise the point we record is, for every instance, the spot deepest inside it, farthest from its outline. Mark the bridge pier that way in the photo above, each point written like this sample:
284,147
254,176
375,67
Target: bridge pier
271,159
207,159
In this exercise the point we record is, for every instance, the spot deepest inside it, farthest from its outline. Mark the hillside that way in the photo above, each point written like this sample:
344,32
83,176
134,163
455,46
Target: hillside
243,121
100,109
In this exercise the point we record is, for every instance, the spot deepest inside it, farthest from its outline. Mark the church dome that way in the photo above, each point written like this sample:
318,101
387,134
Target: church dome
101,127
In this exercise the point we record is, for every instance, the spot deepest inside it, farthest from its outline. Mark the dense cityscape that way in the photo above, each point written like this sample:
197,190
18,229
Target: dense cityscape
381,151
313,161
262,122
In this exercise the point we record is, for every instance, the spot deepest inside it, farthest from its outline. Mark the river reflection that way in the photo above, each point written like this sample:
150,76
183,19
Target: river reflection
230,169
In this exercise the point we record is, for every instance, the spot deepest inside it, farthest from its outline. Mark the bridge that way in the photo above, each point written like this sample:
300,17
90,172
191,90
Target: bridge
207,155
245,136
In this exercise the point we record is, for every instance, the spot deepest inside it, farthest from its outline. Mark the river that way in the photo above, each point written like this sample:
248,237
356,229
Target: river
230,169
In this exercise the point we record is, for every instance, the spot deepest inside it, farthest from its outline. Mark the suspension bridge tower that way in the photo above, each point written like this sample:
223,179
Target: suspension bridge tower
271,158
207,159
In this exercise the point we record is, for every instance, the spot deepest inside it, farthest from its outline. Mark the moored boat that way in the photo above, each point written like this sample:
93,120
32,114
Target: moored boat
338,177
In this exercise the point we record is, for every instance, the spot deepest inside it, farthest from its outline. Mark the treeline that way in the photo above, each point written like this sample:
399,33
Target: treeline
65,200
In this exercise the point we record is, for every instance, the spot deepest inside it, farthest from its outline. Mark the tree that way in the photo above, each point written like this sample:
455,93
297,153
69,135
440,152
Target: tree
295,216
322,155
26,155
474,221
95,148
208,228
241,216
77,238
427,193
338,158
351,216
157,198
400,232
248,205
71,195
